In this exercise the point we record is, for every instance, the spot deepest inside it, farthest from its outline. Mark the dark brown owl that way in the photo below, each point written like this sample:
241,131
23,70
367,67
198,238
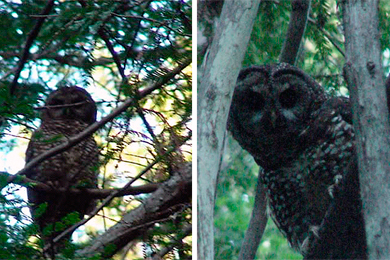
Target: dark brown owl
304,141
67,112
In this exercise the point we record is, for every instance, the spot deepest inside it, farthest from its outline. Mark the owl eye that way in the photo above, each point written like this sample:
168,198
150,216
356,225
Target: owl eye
288,98
56,101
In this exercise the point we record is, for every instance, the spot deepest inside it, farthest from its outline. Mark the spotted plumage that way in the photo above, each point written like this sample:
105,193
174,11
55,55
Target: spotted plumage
67,112
302,138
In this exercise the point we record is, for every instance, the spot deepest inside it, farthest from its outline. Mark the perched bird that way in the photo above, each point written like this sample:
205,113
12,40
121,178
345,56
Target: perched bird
67,112
304,141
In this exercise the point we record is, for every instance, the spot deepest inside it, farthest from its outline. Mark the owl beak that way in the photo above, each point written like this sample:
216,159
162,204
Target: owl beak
274,117
66,111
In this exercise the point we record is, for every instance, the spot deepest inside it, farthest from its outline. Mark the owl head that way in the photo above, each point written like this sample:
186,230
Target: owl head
70,103
271,106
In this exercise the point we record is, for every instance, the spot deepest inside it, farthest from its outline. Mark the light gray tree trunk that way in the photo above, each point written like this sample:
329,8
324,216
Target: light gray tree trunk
363,72
219,73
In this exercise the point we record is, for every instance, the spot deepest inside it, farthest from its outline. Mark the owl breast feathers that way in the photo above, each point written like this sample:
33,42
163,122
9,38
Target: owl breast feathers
304,141
67,112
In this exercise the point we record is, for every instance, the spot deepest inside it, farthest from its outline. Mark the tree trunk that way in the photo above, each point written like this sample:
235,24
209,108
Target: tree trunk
257,224
363,72
219,73
300,10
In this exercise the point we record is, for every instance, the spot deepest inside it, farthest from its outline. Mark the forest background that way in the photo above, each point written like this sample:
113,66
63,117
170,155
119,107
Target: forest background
114,49
322,55
134,58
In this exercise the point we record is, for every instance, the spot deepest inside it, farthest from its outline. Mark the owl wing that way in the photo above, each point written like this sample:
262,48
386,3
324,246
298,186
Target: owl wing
30,154
336,108
341,106
341,234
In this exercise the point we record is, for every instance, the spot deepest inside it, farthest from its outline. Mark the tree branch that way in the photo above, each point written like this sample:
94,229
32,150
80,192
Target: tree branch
115,56
109,45
172,193
257,224
296,28
93,193
186,231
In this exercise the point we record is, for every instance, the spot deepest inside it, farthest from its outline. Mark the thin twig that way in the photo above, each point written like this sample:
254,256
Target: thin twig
62,106
16,136
327,35
21,123
43,15
164,24
26,51
115,56
186,231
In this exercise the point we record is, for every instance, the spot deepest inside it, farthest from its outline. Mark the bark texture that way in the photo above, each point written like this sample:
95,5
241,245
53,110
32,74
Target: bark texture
219,73
300,10
167,198
363,72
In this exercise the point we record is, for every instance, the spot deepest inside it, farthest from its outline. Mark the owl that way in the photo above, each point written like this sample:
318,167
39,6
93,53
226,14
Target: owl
67,112
303,139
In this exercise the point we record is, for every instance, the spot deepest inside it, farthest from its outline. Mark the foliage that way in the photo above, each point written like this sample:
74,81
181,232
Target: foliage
114,49
320,56
235,197
14,238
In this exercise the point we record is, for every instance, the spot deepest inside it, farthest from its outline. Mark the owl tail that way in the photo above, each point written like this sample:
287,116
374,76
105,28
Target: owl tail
54,214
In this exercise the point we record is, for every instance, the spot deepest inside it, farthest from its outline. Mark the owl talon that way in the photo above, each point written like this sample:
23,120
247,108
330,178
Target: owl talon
338,178
331,191
305,246
51,185
314,230
331,188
